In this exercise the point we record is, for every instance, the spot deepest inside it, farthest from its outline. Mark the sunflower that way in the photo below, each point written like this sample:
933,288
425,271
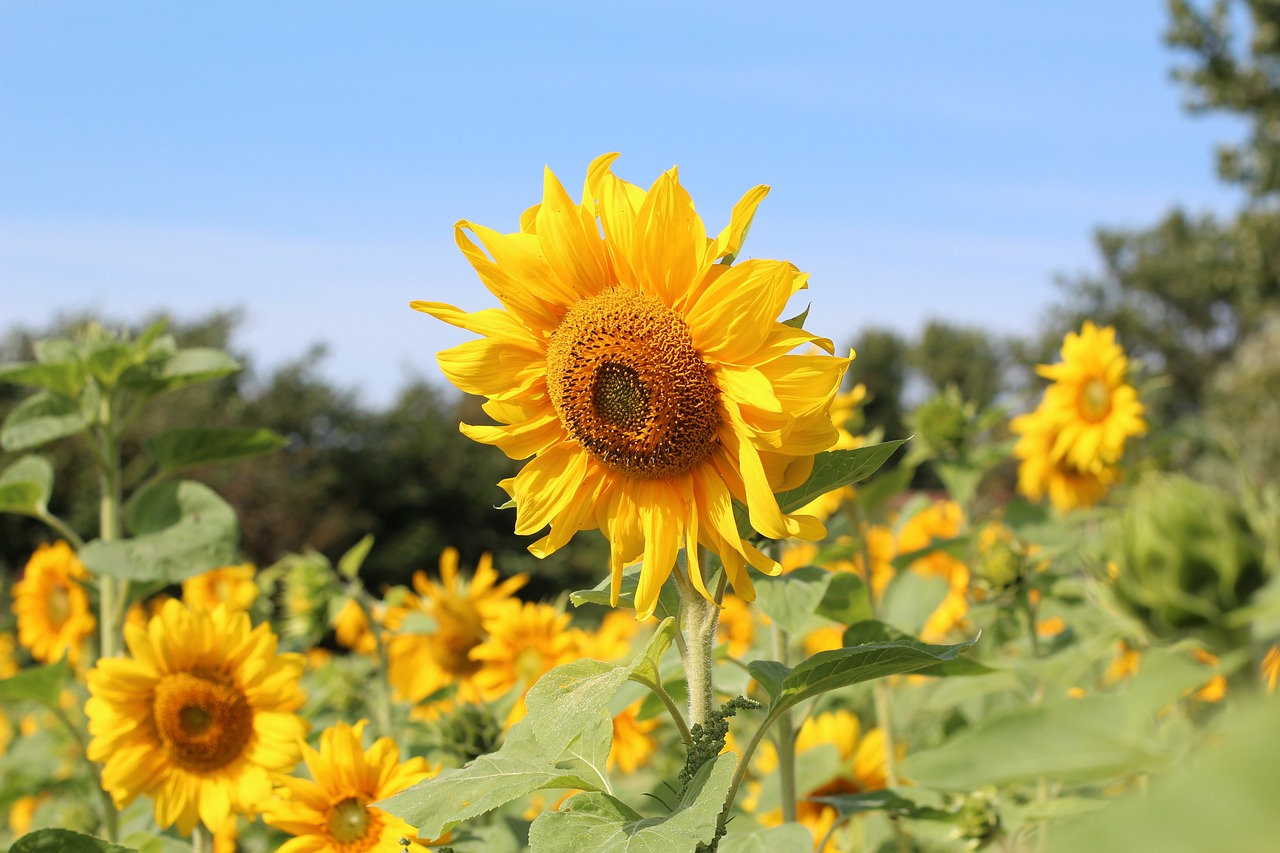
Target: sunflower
230,585
737,626
198,717
8,667
1095,409
351,628
421,664
525,642
331,812
1269,669
632,741
612,640
1040,474
647,377
52,607
862,759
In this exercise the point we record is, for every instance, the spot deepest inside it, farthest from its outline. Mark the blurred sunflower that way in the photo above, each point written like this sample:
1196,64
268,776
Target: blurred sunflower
648,378
8,667
331,812
939,521
351,628
737,625
633,743
54,616
1041,474
1269,670
1095,409
422,663
198,717
862,760
525,641
612,640
230,585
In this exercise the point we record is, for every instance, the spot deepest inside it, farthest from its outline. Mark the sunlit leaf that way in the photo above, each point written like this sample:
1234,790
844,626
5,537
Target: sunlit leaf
178,450
26,485
64,841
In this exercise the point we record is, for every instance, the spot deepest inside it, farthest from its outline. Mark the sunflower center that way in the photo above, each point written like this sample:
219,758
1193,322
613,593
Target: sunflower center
1095,400
349,820
59,608
203,722
628,385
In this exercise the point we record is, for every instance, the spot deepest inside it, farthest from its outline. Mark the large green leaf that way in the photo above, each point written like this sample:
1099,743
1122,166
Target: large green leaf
182,529
774,839
64,841
39,419
1223,800
181,449
25,486
562,742
792,600
831,670
884,800
41,684
847,600
599,823
871,631
62,378
178,370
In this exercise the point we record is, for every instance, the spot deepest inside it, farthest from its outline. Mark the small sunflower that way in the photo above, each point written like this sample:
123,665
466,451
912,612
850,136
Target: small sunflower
351,628
1269,669
525,642
198,717
939,521
230,585
1095,408
648,378
332,812
612,640
421,664
54,617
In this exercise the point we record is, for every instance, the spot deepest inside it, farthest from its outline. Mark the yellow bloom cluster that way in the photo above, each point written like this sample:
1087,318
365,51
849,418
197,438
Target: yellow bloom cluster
1069,446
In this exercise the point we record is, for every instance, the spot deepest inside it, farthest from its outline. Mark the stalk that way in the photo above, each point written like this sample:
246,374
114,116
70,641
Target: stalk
202,839
698,620
786,739
111,591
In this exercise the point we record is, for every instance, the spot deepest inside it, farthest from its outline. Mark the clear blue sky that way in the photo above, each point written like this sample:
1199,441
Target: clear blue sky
306,160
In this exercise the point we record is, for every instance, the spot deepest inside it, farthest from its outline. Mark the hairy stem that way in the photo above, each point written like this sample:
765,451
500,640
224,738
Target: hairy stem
785,738
698,621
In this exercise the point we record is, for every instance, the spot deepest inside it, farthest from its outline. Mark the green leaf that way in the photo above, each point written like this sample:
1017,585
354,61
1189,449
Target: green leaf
1223,800
63,378
792,600
832,469
25,486
871,631
110,358
349,563
39,419
599,823
181,449
178,370
182,529
846,601
41,684
64,841
775,839
668,596
884,800
646,668
831,670
54,350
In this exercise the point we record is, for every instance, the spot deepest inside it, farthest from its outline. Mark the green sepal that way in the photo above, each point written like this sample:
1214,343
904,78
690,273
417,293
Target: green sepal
349,563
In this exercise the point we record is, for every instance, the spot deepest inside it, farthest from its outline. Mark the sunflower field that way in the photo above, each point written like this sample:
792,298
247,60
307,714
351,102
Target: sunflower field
999,630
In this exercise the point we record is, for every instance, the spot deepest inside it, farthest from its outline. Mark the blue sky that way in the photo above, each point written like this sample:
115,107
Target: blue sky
306,161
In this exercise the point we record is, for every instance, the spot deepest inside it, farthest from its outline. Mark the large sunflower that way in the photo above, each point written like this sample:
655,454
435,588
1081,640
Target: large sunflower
54,617
331,811
525,642
198,717
648,378
1093,406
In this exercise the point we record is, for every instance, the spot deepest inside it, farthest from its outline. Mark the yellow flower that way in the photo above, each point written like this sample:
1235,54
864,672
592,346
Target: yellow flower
351,628
142,612
421,664
1124,665
862,757
53,611
230,585
612,640
1095,409
632,744
881,549
198,717
844,413
23,811
1270,669
941,520
1041,474
525,641
737,625
649,380
331,812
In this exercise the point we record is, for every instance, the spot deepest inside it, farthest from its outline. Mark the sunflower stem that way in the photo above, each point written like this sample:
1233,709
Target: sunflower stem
785,738
202,839
110,818
382,683
698,620
110,591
